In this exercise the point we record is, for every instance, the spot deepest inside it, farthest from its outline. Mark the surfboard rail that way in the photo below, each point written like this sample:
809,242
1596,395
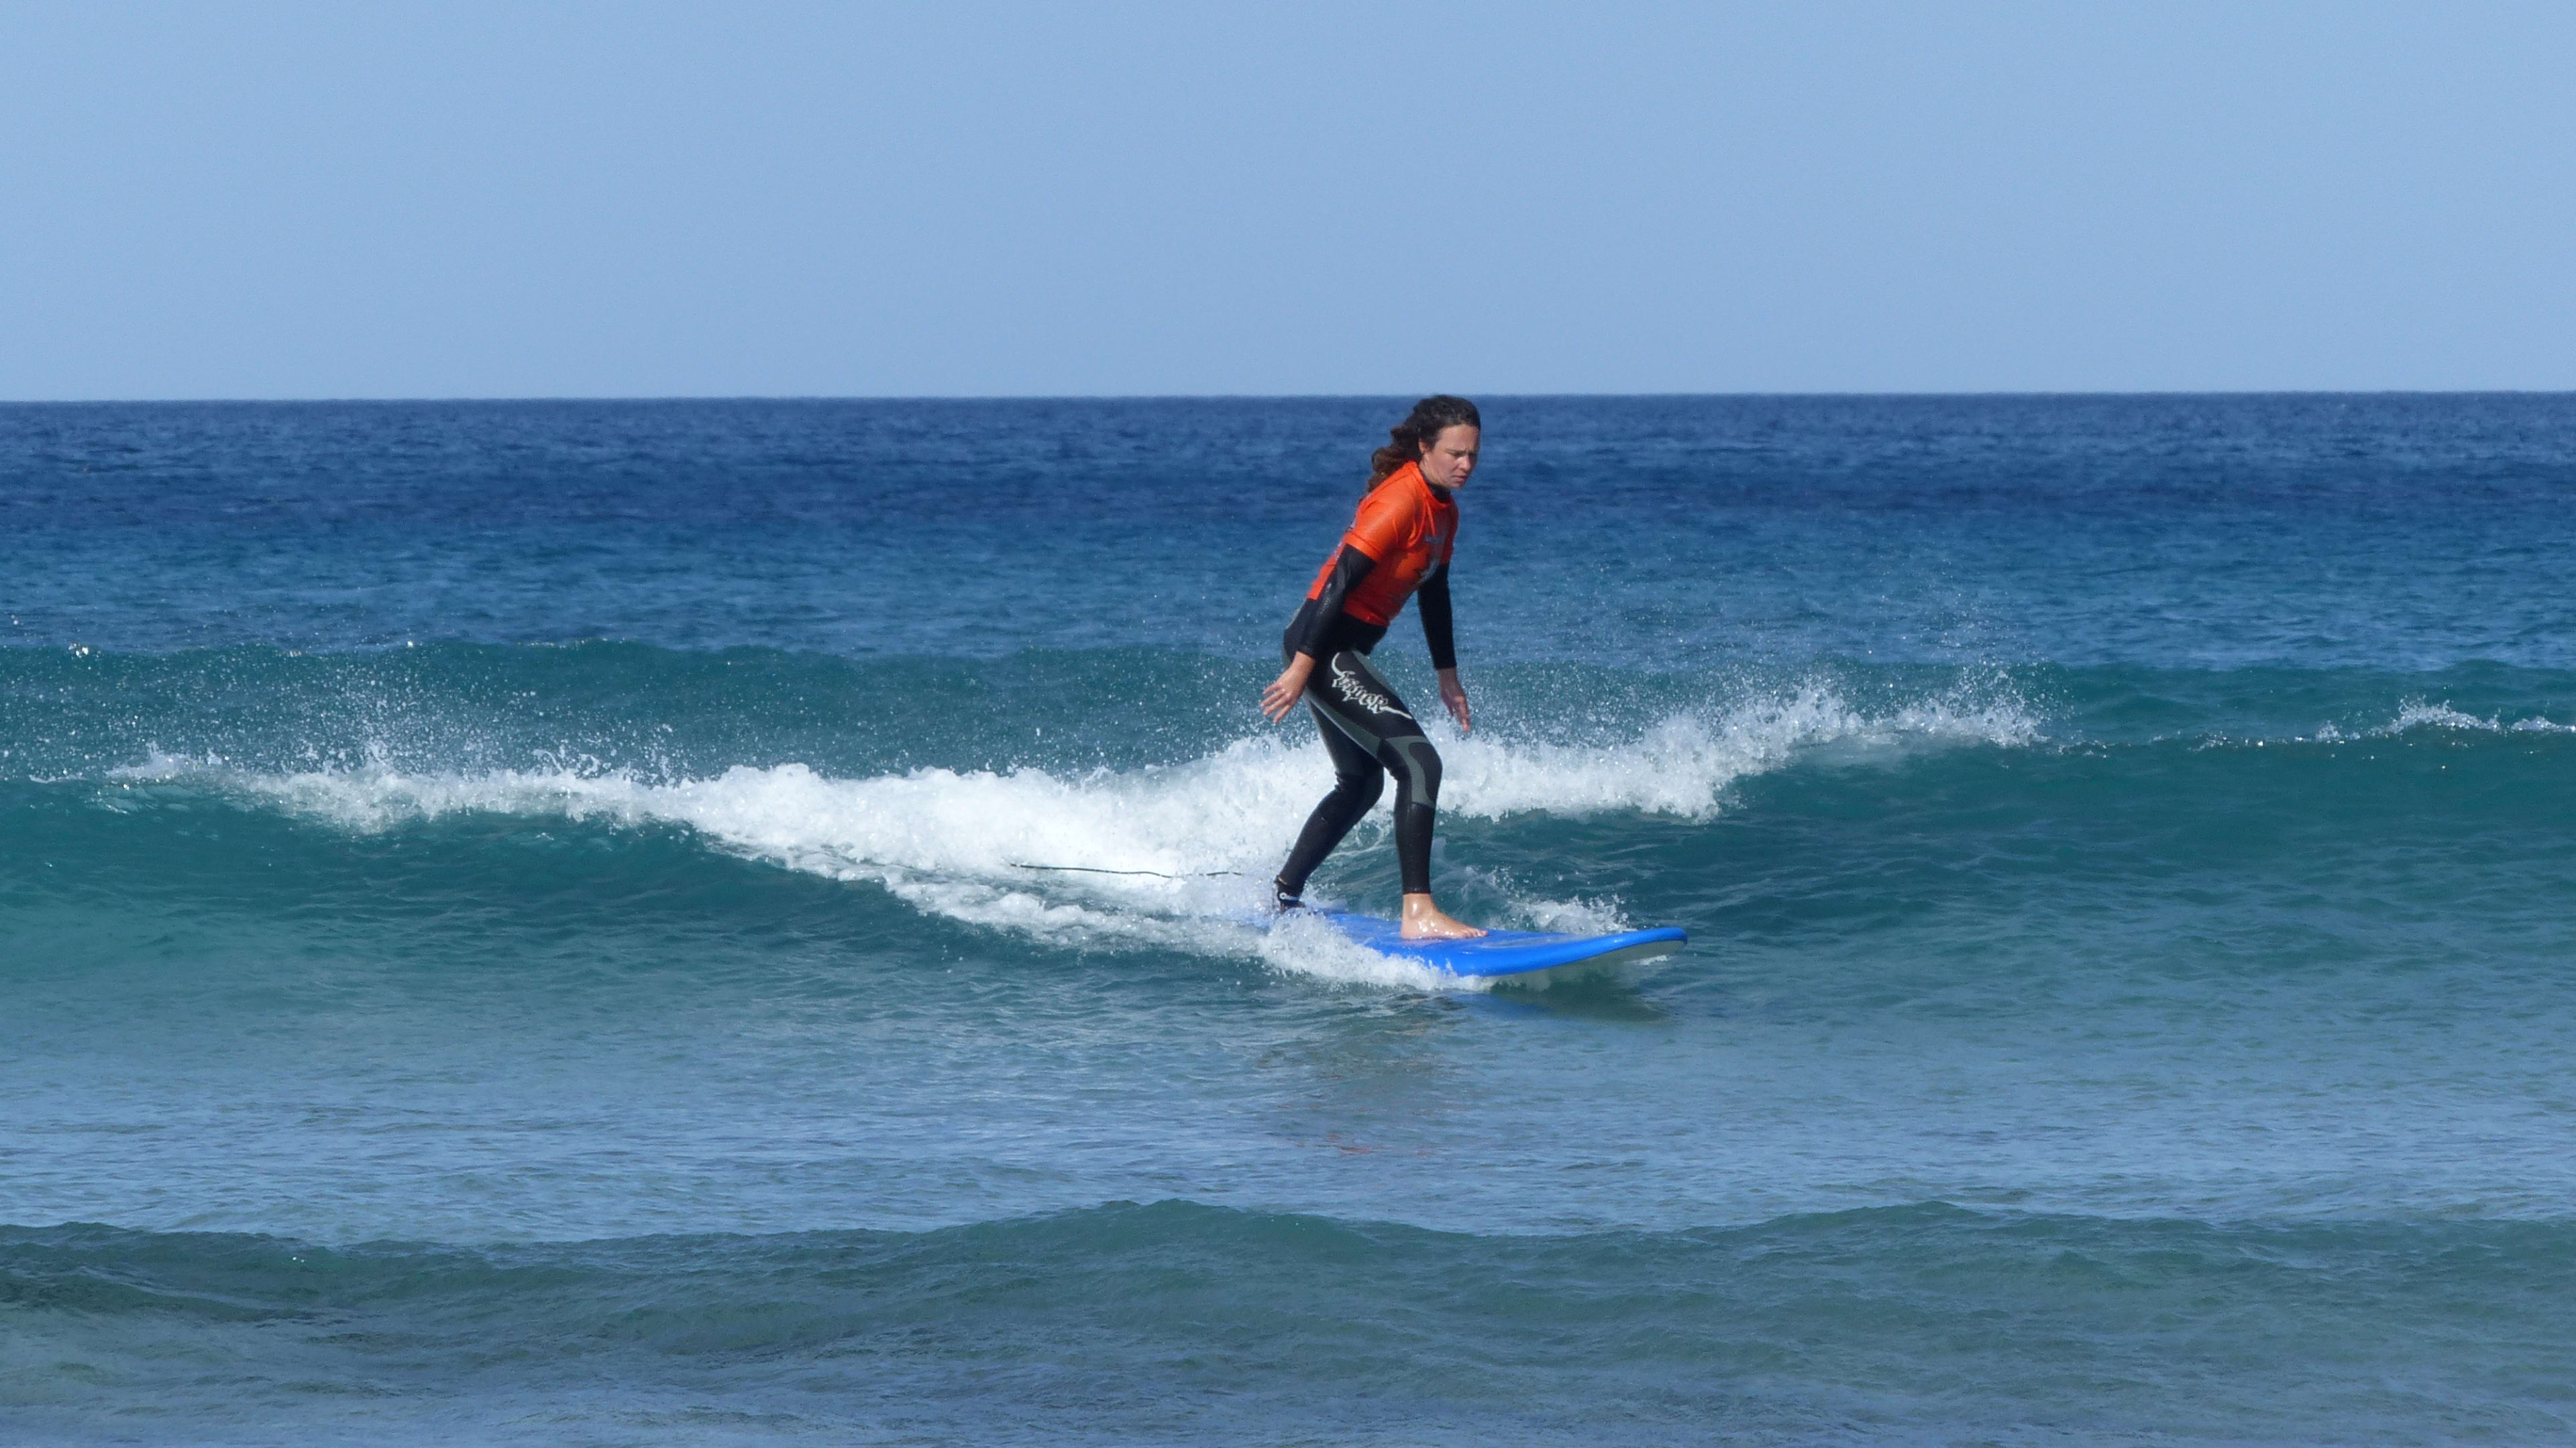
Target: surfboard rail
1518,957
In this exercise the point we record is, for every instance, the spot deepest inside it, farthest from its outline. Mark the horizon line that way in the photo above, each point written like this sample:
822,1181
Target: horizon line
1060,397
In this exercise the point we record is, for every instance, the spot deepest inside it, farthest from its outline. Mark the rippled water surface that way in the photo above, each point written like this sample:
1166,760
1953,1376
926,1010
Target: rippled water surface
583,923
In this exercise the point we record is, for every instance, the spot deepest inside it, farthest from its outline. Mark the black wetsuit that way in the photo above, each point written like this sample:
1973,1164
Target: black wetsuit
1366,726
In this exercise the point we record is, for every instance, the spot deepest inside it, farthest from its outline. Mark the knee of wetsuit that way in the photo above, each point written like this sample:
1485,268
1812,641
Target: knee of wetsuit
1421,773
1361,787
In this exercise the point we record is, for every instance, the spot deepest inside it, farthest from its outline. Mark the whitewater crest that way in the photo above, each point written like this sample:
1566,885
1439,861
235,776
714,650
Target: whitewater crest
2417,714
1174,855
2414,714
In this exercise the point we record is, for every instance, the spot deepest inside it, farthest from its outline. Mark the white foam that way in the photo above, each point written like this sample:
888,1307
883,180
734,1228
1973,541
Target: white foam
1199,838
2417,714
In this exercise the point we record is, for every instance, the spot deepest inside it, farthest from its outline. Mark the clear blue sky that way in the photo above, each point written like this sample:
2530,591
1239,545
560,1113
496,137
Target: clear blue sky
495,200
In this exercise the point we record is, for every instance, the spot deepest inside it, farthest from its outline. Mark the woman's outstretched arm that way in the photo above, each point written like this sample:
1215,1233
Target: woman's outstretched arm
1349,567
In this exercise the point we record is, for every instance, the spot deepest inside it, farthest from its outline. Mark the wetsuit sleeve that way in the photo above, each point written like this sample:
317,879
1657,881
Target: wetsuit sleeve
1434,599
1348,570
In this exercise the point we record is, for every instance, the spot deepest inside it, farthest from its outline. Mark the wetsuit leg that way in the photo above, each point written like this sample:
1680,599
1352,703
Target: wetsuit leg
1350,699
1358,780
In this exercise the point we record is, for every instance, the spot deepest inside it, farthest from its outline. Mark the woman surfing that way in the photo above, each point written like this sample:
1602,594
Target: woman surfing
1398,545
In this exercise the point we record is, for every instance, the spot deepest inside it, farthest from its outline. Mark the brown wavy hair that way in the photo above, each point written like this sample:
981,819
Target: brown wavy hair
1420,427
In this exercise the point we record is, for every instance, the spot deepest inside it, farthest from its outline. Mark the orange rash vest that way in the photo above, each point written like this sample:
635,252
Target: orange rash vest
1408,528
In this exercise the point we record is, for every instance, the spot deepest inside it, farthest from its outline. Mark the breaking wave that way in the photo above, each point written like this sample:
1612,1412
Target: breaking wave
1169,855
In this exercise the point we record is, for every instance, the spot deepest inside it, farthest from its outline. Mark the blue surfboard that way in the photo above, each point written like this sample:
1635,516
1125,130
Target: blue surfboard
1509,957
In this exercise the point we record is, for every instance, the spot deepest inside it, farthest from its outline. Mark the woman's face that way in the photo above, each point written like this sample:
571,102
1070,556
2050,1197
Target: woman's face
1450,457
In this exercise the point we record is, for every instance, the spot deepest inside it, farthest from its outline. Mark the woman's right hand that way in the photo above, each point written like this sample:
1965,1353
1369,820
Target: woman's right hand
1281,697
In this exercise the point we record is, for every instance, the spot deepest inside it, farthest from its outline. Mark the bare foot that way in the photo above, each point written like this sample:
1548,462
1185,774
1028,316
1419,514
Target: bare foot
1424,921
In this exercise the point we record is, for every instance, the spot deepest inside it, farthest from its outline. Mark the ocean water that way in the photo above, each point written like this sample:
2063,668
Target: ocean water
582,924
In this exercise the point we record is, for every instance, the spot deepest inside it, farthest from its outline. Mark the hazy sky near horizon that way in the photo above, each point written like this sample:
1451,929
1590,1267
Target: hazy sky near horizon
263,200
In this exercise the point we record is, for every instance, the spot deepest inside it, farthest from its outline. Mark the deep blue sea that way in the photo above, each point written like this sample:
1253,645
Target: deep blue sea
550,923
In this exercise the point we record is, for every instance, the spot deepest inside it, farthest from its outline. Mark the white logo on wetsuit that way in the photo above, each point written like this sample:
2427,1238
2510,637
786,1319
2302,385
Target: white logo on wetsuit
1353,691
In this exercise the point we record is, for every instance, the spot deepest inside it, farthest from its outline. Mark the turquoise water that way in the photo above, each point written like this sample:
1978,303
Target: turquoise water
548,923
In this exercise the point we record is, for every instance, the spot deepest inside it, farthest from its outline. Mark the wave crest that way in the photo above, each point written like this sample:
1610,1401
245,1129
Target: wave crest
1168,855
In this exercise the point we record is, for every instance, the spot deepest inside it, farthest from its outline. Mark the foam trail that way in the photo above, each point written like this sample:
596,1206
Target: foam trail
1683,764
1200,837
2417,714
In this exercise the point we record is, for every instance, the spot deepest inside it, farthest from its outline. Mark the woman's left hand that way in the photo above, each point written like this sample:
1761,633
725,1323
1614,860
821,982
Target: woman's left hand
1454,694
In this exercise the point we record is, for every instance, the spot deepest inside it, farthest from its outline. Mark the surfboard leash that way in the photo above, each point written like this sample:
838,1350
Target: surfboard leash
1096,870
